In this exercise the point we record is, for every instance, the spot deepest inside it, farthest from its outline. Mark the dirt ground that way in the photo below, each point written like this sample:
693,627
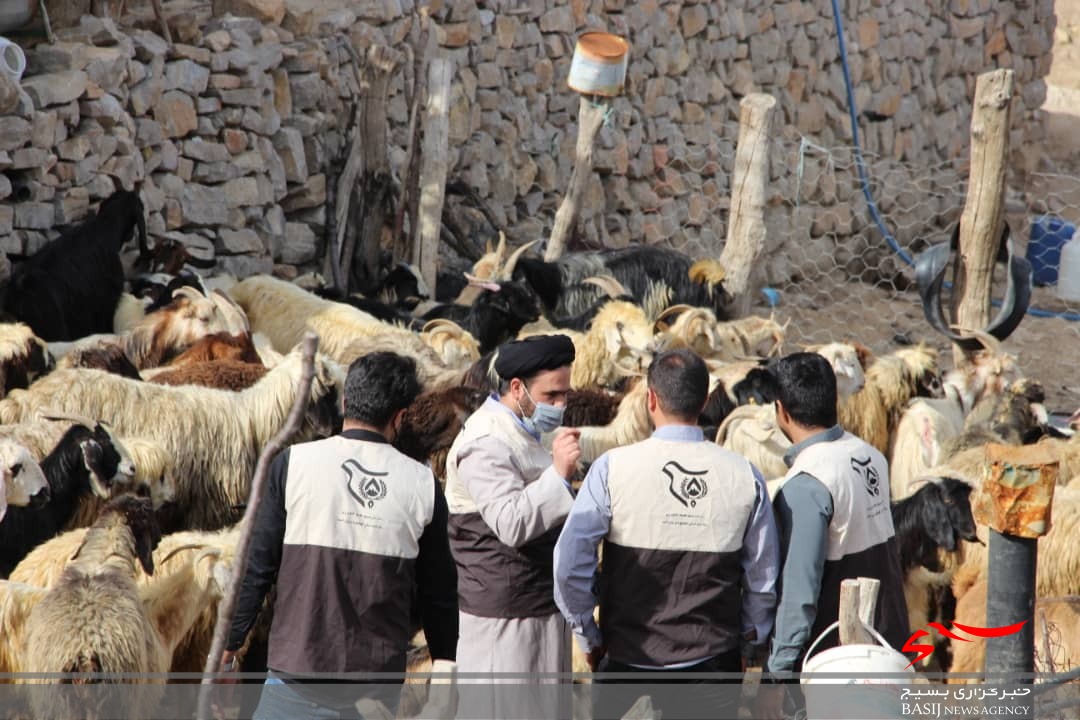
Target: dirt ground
1048,349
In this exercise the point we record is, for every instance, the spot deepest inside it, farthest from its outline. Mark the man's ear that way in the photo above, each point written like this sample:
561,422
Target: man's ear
651,401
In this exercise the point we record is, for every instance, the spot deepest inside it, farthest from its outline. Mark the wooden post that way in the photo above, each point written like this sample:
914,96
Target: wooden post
868,599
851,629
980,223
409,207
591,116
435,159
368,162
746,220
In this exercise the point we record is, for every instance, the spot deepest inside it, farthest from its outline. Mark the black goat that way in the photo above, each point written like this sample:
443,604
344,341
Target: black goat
159,287
641,269
84,461
449,285
717,407
936,517
71,287
757,388
376,308
403,288
497,315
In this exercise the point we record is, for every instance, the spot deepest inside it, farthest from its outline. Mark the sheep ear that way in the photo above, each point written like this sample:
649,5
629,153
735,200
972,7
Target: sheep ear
92,457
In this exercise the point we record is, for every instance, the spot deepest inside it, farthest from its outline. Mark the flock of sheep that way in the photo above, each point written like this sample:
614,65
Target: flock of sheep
128,442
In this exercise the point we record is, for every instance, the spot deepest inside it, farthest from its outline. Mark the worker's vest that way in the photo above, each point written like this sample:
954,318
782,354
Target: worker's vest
670,587
355,511
861,540
494,579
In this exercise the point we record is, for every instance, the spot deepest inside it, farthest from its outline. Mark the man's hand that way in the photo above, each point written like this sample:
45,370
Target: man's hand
595,656
565,452
769,704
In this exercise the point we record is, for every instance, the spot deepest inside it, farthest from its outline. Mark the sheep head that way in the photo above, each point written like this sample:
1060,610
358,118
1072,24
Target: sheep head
153,471
846,365
694,329
134,514
627,336
24,482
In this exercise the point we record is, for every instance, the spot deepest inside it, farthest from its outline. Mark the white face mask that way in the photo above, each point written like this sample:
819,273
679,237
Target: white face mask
545,417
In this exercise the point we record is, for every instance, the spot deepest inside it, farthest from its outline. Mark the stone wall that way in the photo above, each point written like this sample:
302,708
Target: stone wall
231,133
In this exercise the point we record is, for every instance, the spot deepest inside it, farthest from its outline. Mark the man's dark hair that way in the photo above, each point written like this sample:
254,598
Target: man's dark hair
681,383
378,385
807,388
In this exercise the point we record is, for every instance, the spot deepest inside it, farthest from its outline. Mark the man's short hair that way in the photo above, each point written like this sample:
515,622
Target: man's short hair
807,388
378,385
681,383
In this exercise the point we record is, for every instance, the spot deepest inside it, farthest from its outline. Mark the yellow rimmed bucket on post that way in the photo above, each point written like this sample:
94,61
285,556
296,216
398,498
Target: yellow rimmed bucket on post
599,64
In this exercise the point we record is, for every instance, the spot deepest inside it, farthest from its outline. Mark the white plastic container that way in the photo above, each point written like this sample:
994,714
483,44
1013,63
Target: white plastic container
12,60
1068,284
880,694
599,64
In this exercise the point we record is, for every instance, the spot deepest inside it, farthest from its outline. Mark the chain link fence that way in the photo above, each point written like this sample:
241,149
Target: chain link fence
837,276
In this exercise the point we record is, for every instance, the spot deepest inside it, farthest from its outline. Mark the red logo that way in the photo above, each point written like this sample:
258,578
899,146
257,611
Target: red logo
924,651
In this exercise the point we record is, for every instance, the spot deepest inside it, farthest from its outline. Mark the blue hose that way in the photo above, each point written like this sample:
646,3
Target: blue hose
864,180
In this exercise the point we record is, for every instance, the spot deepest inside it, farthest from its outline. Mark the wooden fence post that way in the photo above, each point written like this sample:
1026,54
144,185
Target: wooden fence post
984,207
435,158
746,220
591,114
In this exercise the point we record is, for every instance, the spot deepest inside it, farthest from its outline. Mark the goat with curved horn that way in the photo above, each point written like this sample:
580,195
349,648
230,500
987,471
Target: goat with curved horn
668,312
612,287
930,269
236,319
189,292
507,273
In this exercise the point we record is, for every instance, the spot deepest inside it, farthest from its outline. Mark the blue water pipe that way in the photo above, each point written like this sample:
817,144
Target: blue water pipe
864,180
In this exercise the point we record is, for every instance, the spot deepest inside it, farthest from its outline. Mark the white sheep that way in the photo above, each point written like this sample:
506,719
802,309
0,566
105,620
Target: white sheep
926,425
22,481
16,602
214,436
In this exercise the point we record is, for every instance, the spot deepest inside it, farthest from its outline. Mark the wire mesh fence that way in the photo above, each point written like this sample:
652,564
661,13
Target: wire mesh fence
836,272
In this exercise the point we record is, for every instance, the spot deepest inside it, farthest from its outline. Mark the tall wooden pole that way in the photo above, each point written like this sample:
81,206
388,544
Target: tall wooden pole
746,221
591,116
984,208
434,160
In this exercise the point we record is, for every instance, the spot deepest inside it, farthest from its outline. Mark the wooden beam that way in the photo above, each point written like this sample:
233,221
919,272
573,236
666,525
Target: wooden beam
591,116
984,207
435,161
746,219
409,206
851,629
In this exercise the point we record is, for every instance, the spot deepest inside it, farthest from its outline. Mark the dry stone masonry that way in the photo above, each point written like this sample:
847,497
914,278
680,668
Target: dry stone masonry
232,132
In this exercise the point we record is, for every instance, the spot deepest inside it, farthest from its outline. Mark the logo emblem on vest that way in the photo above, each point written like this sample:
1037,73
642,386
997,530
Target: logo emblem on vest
688,486
363,484
869,475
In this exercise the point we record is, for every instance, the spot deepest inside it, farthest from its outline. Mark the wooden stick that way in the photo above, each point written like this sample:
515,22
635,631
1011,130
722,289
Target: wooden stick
435,158
159,13
227,606
746,219
851,629
984,207
49,35
405,245
868,599
590,118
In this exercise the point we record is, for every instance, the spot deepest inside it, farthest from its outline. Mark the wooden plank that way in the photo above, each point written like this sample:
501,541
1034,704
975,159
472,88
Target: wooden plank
746,219
590,118
984,207
851,629
435,161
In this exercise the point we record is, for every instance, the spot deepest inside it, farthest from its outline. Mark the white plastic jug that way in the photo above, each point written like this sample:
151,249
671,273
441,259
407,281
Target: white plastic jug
1068,284
12,60
880,694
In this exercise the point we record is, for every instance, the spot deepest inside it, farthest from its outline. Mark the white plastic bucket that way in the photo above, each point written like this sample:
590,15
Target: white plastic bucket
879,696
1068,283
12,60
599,64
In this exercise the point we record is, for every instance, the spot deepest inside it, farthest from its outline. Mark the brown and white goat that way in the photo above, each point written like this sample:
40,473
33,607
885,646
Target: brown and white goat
23,356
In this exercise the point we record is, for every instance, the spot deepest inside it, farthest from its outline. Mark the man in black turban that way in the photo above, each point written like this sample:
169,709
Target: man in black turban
508,497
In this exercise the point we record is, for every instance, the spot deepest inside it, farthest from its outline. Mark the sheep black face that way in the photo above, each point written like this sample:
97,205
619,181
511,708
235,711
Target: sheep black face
403,287
929,385
937,516
757,388
104,461
515,302
138,514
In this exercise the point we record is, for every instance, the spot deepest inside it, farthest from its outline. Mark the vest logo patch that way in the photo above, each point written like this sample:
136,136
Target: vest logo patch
869,475
688,486
363,484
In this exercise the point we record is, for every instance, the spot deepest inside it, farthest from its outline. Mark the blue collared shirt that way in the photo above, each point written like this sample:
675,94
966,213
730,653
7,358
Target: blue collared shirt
590,520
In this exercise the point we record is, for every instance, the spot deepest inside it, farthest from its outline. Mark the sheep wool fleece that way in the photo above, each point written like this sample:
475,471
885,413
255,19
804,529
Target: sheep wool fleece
507,506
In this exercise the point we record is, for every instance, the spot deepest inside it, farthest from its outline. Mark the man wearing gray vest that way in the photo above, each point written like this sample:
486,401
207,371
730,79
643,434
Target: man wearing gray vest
690,547
508,497
835,522
348,527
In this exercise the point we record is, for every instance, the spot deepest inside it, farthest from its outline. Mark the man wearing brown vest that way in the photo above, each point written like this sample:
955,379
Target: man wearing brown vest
690,547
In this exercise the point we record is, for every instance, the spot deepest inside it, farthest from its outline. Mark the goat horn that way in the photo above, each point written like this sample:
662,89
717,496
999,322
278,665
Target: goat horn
1017,293
181,549
188,292
65,417
984,338
669,311
236,319
441,324
608,284
500,252
511,263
